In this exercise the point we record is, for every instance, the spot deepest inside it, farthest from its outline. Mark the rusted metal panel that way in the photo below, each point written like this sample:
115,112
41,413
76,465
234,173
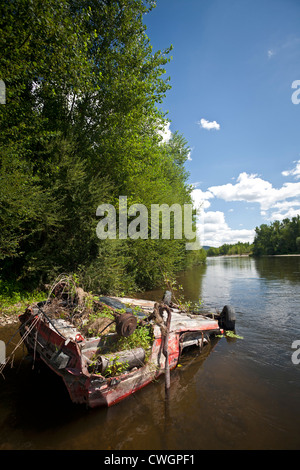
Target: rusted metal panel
69,354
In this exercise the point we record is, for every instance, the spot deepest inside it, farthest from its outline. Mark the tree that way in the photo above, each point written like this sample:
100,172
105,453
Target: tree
80,128
277,238
212,251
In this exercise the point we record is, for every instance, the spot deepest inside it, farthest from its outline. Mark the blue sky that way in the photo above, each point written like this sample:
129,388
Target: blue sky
232,69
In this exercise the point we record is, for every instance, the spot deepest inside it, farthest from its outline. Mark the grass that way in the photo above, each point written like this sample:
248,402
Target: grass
14,299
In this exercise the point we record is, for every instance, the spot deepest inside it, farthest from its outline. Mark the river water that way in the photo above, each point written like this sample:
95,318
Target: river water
240,393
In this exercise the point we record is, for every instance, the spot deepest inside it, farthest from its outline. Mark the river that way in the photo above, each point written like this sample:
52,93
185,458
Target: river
240,393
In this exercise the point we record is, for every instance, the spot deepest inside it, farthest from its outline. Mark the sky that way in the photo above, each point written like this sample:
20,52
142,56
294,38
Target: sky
235,97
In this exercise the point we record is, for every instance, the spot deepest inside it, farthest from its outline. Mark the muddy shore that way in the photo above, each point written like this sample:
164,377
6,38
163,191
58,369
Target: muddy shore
8,319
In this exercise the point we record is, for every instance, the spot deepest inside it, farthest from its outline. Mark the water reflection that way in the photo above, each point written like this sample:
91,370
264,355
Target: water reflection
217,283
279,267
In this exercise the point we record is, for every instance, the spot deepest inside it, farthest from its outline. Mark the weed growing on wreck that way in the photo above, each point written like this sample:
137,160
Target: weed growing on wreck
89,300
230,334
116,368
105,312
142,337
177,294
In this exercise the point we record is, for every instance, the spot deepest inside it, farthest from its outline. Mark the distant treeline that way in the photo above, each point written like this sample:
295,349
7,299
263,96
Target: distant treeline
80,127
278,238
227,249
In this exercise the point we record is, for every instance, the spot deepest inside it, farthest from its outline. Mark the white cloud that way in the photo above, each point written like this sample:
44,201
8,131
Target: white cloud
215,231
286,205
275,204
294,172
200,198
189,158
285,210
292,42
252,188
208,124
165,133
289,214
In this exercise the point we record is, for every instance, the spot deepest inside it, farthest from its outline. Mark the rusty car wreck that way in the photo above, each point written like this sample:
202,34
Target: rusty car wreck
87,362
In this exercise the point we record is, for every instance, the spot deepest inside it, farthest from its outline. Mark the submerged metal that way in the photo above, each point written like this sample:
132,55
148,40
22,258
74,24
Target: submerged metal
83,362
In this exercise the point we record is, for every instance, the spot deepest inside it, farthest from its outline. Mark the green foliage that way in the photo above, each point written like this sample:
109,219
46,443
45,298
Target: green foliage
176,289
278,238
141,338
212,251
14,299
116,368
79,129
230,334
239,248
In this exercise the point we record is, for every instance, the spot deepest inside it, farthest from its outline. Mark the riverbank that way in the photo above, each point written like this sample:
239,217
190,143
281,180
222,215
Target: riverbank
8,319
11,309
272,256
10,314
245,255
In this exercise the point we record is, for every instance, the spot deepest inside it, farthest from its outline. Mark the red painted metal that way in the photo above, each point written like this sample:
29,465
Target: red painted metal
68,357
